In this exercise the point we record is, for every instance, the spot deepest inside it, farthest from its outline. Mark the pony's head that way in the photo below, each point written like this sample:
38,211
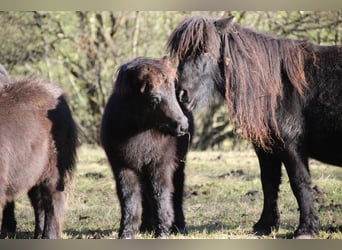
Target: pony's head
248,68
196,44
150,84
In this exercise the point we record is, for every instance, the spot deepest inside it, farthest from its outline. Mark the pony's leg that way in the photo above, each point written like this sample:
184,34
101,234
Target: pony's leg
8,224
270,167
48,207
178,183
39,213
54,214
162,188
129,194
296,164
149,215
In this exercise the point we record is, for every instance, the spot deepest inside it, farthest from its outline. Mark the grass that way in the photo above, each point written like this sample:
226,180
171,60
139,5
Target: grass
223,199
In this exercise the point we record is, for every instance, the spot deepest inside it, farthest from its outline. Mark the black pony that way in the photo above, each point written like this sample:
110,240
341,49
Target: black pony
285,96
139,127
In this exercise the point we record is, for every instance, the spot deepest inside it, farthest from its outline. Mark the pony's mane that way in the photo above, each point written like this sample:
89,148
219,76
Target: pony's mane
253,65
195,35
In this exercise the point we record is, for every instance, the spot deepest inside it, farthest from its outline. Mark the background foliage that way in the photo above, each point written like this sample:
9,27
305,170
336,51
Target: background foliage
81,52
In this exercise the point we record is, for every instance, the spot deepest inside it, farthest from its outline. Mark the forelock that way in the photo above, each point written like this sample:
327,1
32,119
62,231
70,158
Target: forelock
193,36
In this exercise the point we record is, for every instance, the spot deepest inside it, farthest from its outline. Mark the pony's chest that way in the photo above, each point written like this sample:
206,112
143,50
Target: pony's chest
148,147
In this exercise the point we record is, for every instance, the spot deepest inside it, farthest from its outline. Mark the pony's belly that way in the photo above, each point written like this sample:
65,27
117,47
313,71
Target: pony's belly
327,149
22,182
29,168
324,130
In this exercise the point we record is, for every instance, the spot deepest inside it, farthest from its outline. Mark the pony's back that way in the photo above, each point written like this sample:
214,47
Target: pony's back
33,93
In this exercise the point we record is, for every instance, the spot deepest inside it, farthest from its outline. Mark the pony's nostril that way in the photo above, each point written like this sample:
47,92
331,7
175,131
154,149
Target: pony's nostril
183,131
183,128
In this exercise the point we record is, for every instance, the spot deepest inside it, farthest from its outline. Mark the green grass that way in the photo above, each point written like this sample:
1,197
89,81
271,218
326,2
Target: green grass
223,199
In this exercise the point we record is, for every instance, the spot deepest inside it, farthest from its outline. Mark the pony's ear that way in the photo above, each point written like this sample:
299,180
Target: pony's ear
170,72
142,78
131,79
223,24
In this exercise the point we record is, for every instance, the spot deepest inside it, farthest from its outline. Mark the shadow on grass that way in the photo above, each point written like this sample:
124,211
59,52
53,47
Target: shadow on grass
331,229
210,228
213,228
72,234
19,235
90,234
219,229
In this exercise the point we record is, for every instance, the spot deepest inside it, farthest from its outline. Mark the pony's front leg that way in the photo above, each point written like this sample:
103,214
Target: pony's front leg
162,188
4,177
296,164
129,194
270,167
8,224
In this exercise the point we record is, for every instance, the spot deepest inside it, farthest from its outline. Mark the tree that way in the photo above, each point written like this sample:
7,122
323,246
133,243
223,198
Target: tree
81,51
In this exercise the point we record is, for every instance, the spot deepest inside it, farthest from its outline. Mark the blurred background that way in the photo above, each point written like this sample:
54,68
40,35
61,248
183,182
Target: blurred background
81,52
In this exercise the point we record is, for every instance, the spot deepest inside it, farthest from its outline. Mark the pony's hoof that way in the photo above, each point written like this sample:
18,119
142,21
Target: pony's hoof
259,230
305,232
126,236
179,230
303,237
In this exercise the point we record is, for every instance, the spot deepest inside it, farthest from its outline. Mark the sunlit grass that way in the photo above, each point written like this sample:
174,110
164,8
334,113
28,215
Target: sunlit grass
223,199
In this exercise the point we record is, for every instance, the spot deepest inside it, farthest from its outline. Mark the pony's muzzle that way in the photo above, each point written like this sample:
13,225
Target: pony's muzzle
177,127
183,126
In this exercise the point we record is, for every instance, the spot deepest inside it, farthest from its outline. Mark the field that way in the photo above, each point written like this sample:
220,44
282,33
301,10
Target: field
223,199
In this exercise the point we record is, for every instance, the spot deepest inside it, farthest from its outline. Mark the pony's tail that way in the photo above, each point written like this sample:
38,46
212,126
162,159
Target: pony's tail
71,147
65,135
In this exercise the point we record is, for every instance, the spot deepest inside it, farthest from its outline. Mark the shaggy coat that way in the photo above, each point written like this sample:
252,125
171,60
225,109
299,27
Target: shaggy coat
285,96
38,140
140,125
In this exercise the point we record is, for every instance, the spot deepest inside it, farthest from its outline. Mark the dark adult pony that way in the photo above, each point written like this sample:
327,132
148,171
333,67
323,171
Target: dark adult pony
38,138
144,134
285,96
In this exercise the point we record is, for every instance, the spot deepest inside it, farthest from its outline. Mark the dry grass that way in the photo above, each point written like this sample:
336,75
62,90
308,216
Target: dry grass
223,199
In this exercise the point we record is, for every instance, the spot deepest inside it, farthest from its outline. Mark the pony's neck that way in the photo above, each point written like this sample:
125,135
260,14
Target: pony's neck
254,66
